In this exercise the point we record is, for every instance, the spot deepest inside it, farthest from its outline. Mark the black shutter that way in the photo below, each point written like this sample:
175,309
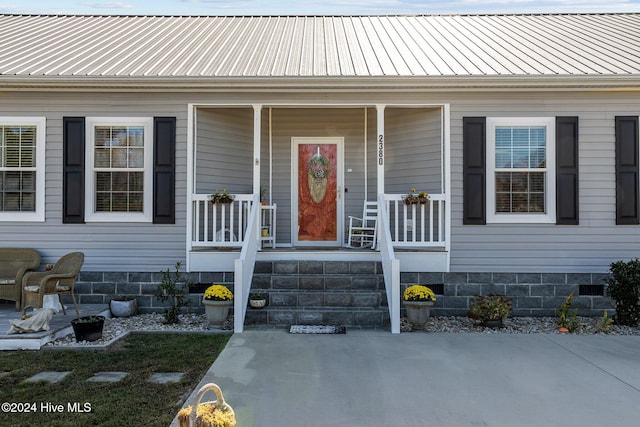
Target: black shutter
73,136
567,170
474,137
627,170
164,166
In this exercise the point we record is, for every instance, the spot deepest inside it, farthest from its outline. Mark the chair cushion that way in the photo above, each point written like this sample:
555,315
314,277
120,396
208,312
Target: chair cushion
36,288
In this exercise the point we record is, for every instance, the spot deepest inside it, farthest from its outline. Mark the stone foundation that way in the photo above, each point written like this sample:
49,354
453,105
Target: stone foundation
533,294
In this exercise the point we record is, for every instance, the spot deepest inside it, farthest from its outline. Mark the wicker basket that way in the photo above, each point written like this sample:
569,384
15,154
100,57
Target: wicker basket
216,413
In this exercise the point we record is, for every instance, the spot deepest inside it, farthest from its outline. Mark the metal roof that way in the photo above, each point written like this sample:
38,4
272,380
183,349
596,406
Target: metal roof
55,46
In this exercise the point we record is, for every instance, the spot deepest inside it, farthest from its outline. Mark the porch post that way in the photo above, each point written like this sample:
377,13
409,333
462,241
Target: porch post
380,149
257,111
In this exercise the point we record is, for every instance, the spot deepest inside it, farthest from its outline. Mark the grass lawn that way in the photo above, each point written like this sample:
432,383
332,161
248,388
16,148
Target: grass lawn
131,402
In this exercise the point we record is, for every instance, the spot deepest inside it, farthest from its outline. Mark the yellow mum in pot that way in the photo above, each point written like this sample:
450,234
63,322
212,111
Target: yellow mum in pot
419,293
218,293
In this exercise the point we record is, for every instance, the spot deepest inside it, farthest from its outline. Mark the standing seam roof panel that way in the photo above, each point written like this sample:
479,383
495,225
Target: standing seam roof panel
230,64
331,49
529,46
28,51
418,52
447,63
192,43
320,46
512,63
553,47
106,44
357,54
596,40
565,49
368,51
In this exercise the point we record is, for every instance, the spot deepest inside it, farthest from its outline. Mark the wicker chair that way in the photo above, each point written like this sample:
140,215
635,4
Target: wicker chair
61,279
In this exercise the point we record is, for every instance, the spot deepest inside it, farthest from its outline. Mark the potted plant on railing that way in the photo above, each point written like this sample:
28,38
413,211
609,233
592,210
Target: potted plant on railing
418,300
490,310
221,197
217,300
416,198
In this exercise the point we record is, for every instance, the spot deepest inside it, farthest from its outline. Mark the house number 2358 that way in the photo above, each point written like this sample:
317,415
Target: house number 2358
380,149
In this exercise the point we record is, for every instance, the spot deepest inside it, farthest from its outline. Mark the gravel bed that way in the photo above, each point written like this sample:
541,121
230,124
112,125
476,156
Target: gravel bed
516,325
118,326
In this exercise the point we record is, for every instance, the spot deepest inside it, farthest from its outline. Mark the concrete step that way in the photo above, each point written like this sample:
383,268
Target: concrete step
349,293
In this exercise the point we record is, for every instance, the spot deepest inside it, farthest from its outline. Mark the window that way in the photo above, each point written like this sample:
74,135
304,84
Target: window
119,186
22,164
521,170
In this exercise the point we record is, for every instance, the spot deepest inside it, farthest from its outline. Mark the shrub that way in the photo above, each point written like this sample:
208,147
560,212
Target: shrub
568,317
624,288
169,289
490,307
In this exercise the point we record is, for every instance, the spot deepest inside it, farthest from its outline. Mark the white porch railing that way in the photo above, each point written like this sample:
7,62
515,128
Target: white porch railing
243,268
220,224
416,226
390,266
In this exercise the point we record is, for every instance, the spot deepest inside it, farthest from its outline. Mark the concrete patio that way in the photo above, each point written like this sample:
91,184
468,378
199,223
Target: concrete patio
59,326
373,378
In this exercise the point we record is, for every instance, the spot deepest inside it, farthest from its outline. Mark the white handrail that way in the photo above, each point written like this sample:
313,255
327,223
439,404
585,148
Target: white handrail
390,265
243,267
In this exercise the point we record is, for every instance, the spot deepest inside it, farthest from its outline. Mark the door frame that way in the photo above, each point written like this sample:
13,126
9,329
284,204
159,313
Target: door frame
339,142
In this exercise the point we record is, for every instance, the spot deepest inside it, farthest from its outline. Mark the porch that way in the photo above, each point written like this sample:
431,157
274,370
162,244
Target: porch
59,326
265,157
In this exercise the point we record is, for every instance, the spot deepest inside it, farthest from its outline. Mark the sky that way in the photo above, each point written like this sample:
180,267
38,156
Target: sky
309,7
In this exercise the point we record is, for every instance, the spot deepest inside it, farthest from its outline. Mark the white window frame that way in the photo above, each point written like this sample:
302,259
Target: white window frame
550,185
90,192
40,169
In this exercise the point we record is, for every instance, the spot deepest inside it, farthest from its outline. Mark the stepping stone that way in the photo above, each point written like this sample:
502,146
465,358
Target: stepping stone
48,376
166,377
108,377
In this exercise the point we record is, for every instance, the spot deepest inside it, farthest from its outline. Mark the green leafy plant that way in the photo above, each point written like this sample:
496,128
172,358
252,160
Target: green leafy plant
256,296
605,325
624,288
490,307
568,317
170,289
419,293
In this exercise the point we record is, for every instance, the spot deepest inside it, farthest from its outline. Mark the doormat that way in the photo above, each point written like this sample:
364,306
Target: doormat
317,329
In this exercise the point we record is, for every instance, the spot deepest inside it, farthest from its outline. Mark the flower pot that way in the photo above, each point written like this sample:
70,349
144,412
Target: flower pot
257,303
88,328
123,306
216,311
418,311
